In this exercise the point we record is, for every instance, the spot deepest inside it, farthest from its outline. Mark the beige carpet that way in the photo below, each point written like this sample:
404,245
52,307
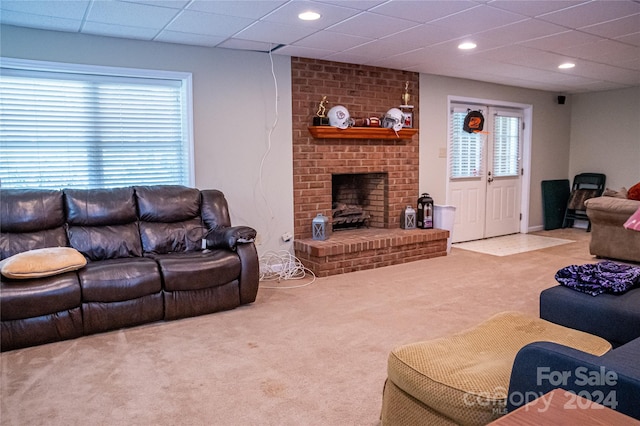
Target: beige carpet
314,355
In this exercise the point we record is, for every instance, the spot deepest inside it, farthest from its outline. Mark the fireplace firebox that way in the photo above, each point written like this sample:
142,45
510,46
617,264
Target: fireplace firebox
359,200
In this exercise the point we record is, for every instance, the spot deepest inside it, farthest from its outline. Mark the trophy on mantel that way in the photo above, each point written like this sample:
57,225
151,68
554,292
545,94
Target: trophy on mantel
321,118
406,97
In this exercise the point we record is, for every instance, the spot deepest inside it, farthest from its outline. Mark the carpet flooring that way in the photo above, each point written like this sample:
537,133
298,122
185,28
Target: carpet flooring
314,355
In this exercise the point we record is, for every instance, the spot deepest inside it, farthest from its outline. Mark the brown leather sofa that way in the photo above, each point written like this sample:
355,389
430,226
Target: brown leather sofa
145,259
609,239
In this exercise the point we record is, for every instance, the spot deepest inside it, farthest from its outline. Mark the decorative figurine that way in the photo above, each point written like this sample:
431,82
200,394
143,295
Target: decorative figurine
321,108
321,119
406,97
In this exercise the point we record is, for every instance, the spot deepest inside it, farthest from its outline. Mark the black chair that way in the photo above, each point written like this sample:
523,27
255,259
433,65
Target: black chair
585,186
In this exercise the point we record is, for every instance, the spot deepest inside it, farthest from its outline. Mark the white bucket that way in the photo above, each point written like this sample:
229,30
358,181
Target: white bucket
444,218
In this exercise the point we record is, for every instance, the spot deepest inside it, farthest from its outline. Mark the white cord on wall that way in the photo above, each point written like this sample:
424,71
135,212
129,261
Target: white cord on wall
283,266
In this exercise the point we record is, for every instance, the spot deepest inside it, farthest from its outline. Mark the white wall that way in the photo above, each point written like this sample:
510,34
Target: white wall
550,143
605,136
234,107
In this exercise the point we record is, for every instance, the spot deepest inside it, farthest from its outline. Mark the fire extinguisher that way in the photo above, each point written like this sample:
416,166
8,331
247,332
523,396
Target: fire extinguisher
425,211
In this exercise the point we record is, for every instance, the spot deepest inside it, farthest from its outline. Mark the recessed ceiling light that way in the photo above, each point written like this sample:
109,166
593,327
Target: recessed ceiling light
566,66
468,45
309,16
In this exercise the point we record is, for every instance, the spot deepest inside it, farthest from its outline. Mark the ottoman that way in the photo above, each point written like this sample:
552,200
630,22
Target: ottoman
464,379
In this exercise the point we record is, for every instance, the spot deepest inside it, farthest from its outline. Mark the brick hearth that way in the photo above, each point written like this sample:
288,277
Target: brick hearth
356,250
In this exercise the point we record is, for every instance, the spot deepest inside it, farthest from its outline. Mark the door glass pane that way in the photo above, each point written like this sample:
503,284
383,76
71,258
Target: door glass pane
506,146
465,149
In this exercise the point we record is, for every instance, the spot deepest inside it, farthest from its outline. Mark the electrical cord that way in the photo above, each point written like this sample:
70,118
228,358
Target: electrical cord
283,266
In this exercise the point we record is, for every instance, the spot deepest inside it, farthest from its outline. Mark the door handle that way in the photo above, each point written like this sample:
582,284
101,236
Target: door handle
490,179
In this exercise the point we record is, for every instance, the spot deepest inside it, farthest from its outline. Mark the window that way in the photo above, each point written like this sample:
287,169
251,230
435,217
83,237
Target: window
65,126
466,148
506,144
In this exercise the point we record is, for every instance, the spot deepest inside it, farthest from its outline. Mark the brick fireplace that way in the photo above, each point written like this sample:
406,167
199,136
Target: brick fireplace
392,165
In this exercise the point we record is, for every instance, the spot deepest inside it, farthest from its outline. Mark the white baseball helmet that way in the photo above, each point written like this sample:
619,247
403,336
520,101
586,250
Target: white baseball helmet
393,119
339,117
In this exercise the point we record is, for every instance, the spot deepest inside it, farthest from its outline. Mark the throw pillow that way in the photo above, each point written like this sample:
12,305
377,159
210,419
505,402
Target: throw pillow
633,223
634,192
43,262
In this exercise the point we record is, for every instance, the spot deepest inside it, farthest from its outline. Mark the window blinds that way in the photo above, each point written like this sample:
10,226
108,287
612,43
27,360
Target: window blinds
506,145
64,130
466,149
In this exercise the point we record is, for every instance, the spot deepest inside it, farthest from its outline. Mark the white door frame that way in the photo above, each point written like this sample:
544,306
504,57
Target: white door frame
526,150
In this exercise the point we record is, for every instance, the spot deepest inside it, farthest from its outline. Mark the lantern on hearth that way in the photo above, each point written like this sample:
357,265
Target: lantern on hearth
408,218
319,227
425,211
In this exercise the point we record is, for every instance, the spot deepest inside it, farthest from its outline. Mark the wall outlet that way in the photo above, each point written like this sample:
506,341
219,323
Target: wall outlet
286,237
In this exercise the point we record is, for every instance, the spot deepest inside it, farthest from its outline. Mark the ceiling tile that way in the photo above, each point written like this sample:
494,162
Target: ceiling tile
371,25
422,11
615,28
274,32
244,9
98,28
331,41
354,4
422,36
39,21
563,40
329,14
67,9
130,14
303,52
173,4
534,8
592,12
524,30
479,18
208,24
187,38
236,43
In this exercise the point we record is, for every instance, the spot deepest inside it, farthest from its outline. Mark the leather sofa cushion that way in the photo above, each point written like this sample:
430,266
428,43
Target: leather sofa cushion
30,210
163,238
12,244
106,242
42,296
99,207
198,270
167,203
214,209
117,280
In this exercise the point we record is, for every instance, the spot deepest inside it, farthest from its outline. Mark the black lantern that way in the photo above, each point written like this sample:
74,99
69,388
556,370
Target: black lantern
425,211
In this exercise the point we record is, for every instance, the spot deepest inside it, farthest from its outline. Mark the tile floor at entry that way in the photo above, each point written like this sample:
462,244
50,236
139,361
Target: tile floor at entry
511,244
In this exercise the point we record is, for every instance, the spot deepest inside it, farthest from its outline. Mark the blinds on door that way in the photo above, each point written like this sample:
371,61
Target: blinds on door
466,149
506,143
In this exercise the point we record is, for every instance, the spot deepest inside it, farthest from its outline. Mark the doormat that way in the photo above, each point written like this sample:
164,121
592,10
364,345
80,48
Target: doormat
511,244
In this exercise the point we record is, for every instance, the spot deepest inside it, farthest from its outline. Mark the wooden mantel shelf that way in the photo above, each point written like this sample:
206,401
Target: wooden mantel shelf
330,132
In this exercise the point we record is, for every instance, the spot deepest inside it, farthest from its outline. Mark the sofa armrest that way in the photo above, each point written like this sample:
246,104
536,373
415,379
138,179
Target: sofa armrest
230,237
540,367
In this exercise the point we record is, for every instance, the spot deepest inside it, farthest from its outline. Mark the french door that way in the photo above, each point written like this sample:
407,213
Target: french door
485,173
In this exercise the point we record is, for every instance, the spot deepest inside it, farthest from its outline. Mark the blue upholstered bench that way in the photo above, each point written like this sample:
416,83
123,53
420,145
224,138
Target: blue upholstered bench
615,318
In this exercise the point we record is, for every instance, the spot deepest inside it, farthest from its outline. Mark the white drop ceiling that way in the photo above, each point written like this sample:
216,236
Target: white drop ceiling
520,42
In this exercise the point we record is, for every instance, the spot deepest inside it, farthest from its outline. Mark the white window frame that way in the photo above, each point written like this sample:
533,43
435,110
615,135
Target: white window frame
184,77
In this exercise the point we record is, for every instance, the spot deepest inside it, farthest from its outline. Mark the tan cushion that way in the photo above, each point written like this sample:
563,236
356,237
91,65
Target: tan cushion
42,263
465,377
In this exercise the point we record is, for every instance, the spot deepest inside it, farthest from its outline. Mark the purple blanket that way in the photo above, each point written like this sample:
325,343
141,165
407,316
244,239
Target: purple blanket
598,278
